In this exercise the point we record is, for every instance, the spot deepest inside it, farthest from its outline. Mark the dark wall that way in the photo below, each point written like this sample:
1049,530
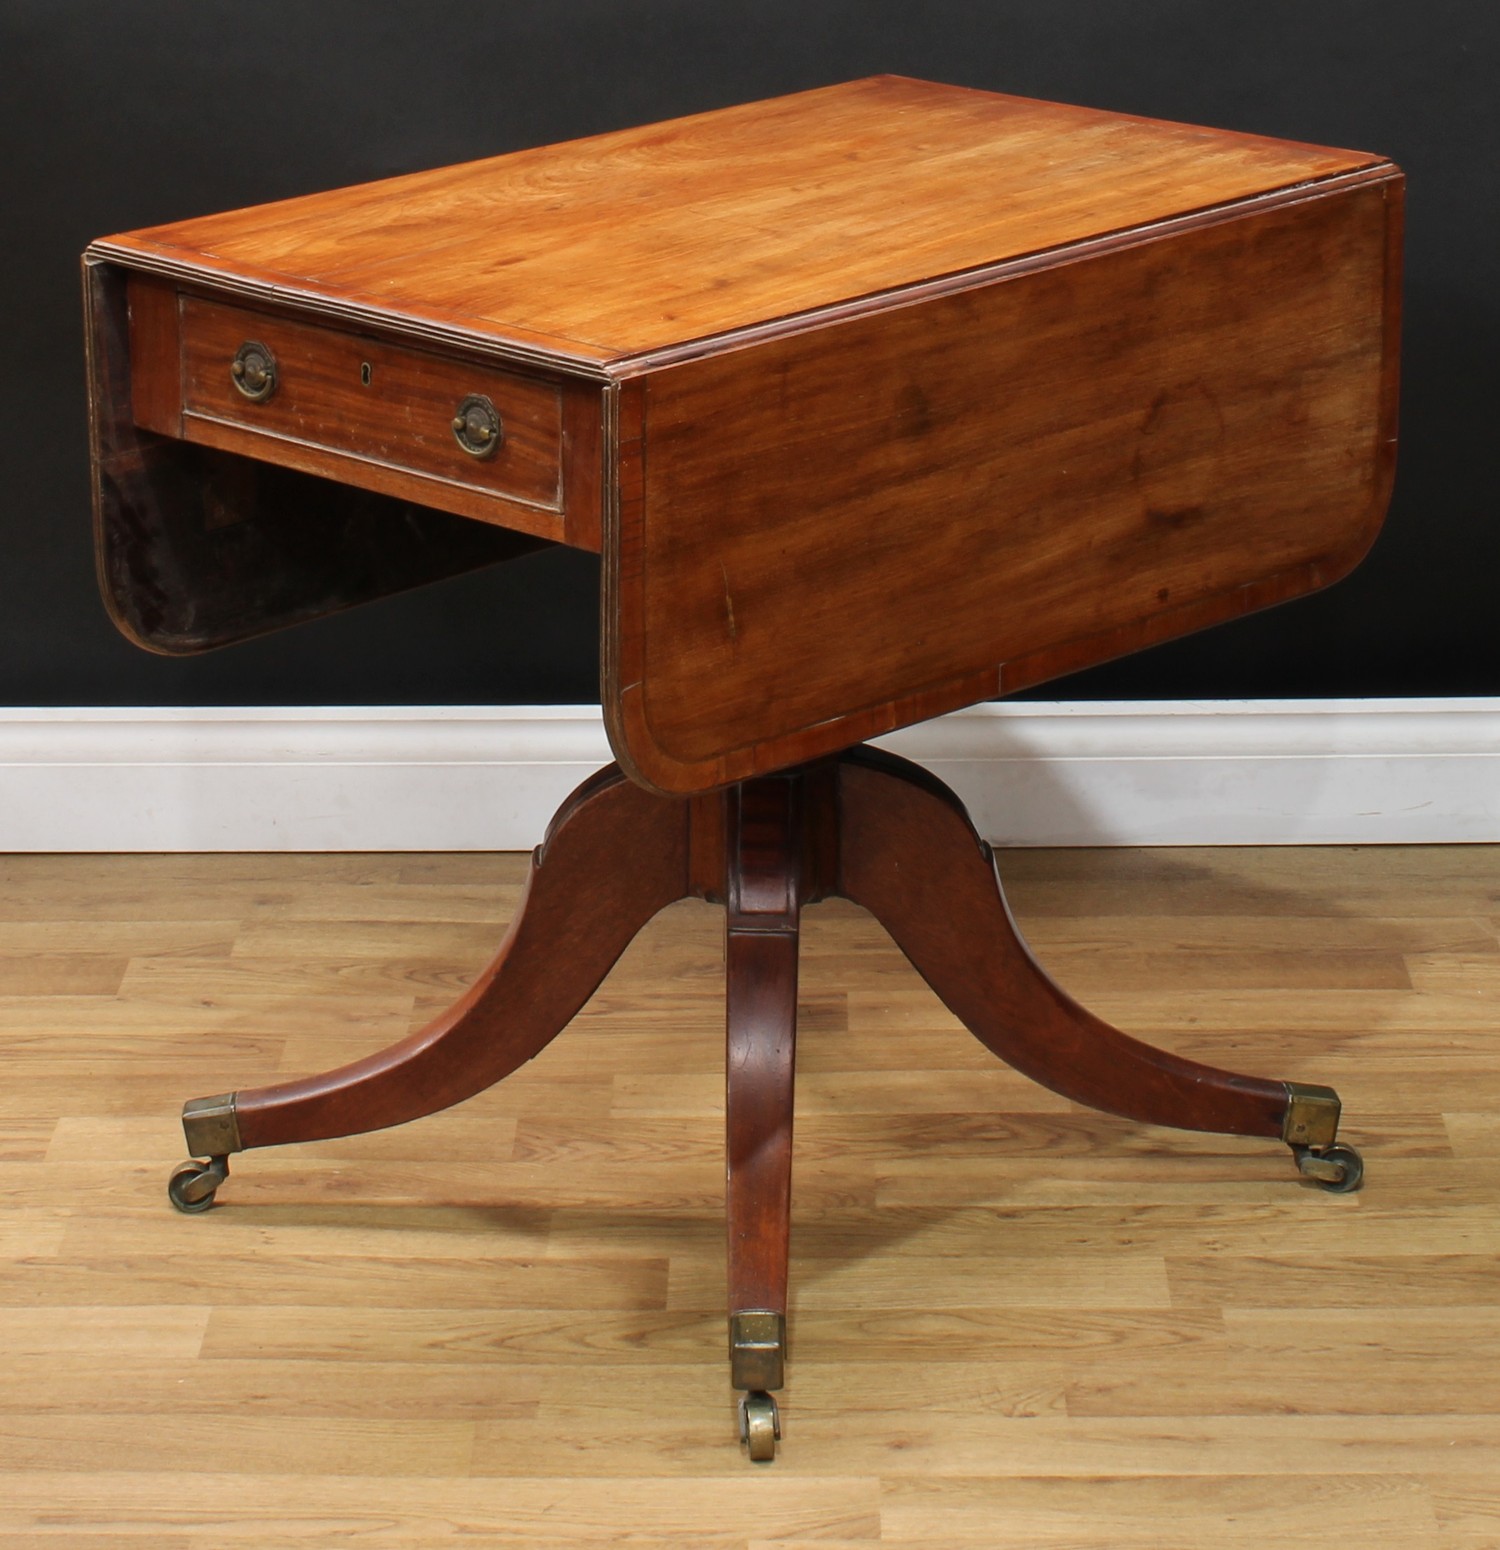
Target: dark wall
115,116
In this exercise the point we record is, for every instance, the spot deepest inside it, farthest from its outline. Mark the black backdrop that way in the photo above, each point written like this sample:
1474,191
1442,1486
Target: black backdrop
114,116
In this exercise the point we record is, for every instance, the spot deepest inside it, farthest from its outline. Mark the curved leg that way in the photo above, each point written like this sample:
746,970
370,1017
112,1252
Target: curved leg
910,856
614,855
760,958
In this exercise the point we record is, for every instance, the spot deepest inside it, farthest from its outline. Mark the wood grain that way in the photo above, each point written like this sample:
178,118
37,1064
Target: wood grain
613,857
838,535
763,902
870,827
633,242
155,356
398,421
1191,1376
878,400
195,548
910,856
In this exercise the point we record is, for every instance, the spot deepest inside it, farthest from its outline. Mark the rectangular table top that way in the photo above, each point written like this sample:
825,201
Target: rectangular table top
877,400
603,251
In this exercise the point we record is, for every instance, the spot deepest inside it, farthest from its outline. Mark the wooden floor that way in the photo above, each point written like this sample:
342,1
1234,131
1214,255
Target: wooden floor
1014,1323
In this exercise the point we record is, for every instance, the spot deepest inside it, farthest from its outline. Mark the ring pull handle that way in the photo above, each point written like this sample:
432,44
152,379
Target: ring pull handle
476,426
253,371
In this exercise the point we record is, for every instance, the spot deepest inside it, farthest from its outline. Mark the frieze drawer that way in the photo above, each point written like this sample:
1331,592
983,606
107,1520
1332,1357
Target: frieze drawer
460,435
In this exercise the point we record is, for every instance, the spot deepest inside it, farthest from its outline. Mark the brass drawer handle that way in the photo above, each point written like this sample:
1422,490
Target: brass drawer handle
253,371
476,426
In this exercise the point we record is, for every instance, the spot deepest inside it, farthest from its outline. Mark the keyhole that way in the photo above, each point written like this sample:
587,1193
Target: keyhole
364,373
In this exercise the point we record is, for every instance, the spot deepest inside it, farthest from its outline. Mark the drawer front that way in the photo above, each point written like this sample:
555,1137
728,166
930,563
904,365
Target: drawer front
381,405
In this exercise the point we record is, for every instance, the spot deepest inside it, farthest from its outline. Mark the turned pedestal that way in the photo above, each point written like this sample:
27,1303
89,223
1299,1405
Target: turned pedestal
866,826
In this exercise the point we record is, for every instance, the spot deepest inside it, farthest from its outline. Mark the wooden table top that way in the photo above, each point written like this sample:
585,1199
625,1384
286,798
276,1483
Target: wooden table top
613,251
876,400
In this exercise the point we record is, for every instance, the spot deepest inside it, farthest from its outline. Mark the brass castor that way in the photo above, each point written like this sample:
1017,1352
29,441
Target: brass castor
1337,1168
193,1184
760,1426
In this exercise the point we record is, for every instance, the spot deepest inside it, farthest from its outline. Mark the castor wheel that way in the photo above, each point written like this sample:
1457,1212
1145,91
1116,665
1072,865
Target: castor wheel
193,1184
760,1426
1338,1168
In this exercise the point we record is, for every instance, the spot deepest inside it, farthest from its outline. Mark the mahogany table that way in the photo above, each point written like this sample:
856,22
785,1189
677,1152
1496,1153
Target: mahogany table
876,401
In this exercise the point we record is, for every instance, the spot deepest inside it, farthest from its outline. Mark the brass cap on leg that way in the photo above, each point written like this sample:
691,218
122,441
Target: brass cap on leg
1312,1115
211,1127
757,1349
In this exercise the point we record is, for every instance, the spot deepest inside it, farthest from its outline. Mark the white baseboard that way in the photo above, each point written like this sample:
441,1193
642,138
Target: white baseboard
1262,772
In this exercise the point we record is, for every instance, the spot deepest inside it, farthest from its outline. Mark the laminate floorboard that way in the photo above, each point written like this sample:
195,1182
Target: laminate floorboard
1014,1322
